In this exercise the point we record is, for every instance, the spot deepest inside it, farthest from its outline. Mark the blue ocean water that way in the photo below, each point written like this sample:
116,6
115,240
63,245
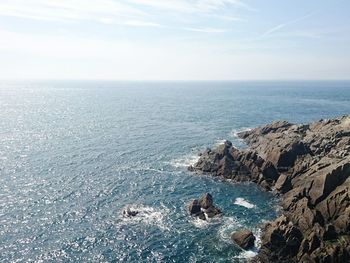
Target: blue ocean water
74,154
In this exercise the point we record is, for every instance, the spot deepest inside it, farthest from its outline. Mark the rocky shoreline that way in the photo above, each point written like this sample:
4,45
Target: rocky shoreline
308,165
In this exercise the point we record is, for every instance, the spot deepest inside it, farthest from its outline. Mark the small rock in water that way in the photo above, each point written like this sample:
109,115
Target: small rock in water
212,211
204,207
243,238
194,207
129,213
206,201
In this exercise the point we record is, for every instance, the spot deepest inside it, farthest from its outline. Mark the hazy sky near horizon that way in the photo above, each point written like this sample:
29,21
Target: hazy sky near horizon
174,39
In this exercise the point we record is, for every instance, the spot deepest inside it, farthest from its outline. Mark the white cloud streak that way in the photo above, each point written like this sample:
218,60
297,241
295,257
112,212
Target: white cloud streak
185,6
285,24
206,30
101,11
138,13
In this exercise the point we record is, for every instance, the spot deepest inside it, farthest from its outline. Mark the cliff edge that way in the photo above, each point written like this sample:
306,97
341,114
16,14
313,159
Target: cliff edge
308,165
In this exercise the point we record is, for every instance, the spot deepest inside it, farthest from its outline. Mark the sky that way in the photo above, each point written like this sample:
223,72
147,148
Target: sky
175,39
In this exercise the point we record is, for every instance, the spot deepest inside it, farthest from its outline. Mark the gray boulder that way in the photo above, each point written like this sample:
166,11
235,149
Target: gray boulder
243,238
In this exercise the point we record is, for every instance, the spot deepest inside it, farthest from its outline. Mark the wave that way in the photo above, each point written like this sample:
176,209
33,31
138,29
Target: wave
246,254
192,158
218,143
257,234
235,132
146,215
185,161
242,202
230,224
199,223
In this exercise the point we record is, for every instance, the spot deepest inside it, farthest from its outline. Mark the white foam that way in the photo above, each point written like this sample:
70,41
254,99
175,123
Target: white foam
219,142
235,132
257,234
199,223
146,215
246,254
230,225
185,161
242,202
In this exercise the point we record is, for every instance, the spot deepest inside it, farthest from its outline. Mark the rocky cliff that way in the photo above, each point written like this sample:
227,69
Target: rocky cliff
308,165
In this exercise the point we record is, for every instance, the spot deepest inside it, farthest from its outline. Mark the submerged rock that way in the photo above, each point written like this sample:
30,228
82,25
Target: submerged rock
308,165
204,207
243,238
130,213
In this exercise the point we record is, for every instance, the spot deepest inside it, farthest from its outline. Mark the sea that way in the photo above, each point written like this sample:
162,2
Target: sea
75,154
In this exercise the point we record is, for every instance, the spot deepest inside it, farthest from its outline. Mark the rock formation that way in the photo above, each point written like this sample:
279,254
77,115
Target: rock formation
309,167
204,207
243,238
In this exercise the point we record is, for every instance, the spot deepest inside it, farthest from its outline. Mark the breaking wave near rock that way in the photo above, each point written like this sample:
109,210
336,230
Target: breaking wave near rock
145,215
242,202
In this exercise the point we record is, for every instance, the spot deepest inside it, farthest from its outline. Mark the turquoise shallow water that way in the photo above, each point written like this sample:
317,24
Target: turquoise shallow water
74,154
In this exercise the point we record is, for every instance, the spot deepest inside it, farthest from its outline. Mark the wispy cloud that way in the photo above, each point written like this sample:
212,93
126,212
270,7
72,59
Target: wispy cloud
273,29
228,18
68,10
285,24
139,23
218,4
301,34
136,13
185,6
170,5
206,30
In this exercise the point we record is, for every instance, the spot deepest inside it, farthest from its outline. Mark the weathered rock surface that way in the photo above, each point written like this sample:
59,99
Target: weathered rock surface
229,163
204,207
309,167
243,238
194,207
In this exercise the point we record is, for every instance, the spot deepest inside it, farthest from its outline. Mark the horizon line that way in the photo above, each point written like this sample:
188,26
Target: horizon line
167,80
